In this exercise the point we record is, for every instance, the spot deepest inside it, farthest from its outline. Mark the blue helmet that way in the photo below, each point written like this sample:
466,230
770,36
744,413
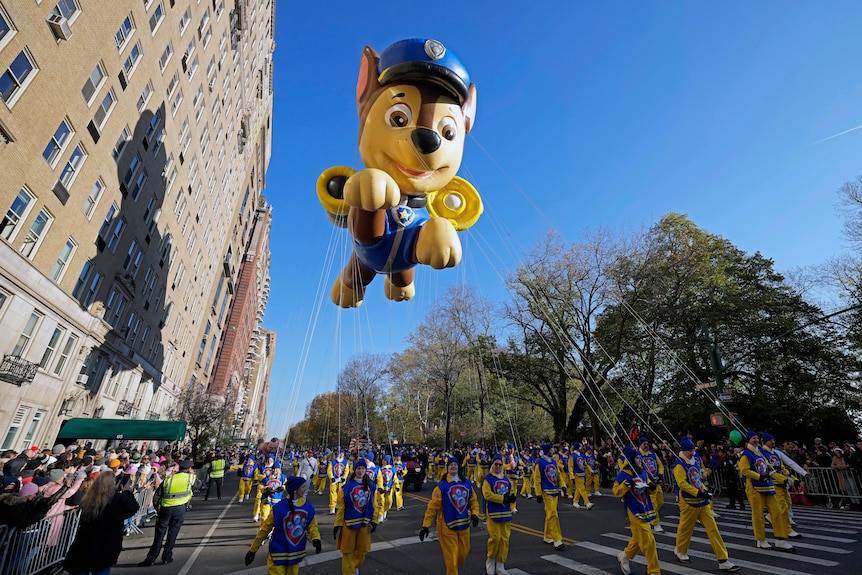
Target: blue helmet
418,60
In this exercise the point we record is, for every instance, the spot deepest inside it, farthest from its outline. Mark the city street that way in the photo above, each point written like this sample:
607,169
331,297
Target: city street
217,534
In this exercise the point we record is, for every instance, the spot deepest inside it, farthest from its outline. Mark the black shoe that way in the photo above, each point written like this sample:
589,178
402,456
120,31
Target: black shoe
145,563
559,547
166,561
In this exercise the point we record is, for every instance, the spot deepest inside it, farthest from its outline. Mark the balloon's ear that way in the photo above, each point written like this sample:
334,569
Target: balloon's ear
469,107
367,83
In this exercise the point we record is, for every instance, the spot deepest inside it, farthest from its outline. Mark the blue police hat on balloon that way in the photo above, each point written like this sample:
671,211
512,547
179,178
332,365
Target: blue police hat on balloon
418,60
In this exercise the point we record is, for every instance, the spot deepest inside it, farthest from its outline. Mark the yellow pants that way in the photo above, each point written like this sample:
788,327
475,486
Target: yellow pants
354,545
642,540
319,483
593,483
455,546
758,501
399,494
564,481
265,510
273,569
498,540
385,501
657,498
784,502
688,516
581,490
552,518
473,473
526,487
244,488
257,500
334,489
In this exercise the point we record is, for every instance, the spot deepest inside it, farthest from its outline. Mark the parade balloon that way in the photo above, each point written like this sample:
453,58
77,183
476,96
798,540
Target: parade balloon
735,437
416,105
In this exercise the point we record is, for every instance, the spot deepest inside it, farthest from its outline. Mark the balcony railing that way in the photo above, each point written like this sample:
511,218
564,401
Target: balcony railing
125,408
153,415
17,371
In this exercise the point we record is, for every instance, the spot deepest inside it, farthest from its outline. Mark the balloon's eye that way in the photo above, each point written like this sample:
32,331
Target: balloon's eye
399,115
447,128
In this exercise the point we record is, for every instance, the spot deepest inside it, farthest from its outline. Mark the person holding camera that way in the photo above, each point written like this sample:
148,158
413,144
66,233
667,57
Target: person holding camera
694,498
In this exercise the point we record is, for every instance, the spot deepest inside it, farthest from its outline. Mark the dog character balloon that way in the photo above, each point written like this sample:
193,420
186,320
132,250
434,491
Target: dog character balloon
416,106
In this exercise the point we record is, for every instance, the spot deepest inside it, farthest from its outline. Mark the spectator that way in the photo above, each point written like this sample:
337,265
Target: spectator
99,539
840,466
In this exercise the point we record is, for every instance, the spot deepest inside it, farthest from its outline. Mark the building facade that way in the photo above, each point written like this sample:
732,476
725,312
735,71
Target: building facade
134,142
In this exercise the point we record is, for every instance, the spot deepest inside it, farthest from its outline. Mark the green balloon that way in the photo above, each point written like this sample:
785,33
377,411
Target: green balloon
735,437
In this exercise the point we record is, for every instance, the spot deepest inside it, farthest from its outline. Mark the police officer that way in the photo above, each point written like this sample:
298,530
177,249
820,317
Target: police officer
170,499
217,465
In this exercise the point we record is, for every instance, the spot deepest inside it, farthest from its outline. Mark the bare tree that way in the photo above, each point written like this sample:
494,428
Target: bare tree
362,380
202,413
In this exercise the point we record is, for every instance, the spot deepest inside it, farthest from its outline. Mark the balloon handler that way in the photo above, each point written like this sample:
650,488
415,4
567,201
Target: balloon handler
632,486
416,105
291,522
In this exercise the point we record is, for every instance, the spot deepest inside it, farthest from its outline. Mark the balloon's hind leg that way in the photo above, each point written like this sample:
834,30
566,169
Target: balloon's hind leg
349,289
399,286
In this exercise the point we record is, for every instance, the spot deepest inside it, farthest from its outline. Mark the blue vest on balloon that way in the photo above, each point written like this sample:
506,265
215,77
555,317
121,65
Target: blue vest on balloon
692,475
456,503
500,486
637,499
358,504
287,546
548,474
758,463
394,251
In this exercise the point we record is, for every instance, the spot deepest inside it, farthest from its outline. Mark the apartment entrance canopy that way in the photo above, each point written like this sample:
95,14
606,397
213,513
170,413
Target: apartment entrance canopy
82,428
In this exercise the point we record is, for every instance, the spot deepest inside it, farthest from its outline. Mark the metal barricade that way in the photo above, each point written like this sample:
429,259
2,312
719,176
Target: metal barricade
144,497
41,545
832,487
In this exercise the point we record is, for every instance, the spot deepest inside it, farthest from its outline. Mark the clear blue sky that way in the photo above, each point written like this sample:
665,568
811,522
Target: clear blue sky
589,114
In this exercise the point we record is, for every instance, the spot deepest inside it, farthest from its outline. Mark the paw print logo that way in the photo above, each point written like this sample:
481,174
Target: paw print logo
294,526
459,495
551,474
359,496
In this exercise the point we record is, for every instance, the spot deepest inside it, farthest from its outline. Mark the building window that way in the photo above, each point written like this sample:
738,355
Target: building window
16,78
132,262
64,354
184,21
125,138
104,109
58,142
152,127
15,427
16,214
198,103
124,33
109,219
27,334
93,83
63,260
51,347
67,8
6,31
33,428
193,67
116,234
166,57
145,96
131,62
36,234
138,184
93,198
176,101
156,18
73,166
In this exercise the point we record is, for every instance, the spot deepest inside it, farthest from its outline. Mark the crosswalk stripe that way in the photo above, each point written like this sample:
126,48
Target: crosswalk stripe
517,572
768,528
728,535
671,567
822,517
573,565
704,555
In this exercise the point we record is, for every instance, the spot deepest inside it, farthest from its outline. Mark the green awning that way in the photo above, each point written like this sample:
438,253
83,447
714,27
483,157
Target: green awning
81,428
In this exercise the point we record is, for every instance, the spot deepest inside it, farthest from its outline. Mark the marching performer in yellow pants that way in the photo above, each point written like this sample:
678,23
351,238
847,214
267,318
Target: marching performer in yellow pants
547,487
655,472
693,501
761,493
632,487
579,473
499,495
780,479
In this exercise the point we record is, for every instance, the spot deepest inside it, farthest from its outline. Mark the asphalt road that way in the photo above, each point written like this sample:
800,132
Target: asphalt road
217,534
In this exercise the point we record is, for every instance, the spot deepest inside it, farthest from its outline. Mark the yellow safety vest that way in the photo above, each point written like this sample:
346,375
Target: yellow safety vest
217,469
177,489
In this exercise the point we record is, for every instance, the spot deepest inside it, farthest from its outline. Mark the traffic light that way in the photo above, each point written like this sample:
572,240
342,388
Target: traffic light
717,419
